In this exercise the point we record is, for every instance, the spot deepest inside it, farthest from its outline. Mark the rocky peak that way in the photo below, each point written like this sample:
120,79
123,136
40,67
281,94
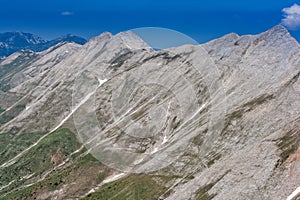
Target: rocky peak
276,39
277,36
278,30
98,42
131,40
123,40
102,37
63,47
229,38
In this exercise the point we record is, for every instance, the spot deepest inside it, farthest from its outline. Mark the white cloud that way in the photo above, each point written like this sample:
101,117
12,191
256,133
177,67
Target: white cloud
291,17
67,13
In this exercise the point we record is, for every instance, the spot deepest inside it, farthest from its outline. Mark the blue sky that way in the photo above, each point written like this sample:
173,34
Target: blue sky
201,20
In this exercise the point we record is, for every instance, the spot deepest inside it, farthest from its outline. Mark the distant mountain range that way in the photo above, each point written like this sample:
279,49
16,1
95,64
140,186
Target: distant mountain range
11,42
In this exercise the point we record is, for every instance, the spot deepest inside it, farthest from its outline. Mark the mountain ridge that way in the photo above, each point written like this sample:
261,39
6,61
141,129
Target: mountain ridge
227,114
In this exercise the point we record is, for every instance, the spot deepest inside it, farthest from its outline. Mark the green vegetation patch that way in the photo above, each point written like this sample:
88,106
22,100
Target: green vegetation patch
133,187
50,152
288,144
9,115
82,174
247,107
202,193
11,144
1,110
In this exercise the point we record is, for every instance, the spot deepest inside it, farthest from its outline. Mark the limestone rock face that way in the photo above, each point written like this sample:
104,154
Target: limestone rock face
222,117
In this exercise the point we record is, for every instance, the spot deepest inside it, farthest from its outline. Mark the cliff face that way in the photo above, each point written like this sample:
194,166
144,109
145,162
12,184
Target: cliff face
214,121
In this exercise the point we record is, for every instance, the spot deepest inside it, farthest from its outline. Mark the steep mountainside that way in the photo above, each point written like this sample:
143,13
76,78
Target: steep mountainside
12,42
115,119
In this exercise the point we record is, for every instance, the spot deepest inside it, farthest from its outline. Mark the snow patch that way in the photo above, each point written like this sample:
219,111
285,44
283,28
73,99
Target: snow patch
101,82
138,161
28,176
5,186
165,140
294,194
194,115
27,107
74,110
113,178
154,150
107,180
